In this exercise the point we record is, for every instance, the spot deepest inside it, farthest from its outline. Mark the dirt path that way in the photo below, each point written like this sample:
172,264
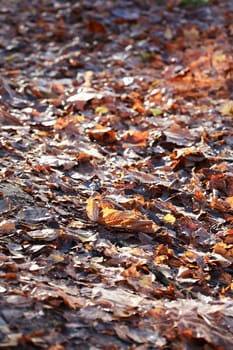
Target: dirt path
116,194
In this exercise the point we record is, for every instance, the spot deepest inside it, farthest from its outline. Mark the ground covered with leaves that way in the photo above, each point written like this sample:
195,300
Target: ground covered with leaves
116,193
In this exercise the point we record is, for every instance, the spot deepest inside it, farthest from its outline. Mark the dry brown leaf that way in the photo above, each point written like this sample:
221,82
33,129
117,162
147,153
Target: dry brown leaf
224,249
127,219
227,108
96,27
136,137
53,296
103,212
56,347
102,134
228,236
7,118
229,201
92,209
7,226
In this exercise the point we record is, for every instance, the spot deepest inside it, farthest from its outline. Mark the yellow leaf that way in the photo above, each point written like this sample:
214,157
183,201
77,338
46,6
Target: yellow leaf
10,58
227,108
155,111
169,219
101,110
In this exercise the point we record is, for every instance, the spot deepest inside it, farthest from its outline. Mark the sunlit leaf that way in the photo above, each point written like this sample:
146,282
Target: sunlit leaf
102,134
224,249
155,111
127,220
229,200
116,193
227,108
104,212
92,209
169,219
44,234
168,34
136,137
101,110
48,294
85,95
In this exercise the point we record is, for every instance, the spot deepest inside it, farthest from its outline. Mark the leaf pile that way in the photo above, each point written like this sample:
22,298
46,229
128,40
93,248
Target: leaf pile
116,193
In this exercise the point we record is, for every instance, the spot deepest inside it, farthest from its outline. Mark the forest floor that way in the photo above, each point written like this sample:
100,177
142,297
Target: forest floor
116,193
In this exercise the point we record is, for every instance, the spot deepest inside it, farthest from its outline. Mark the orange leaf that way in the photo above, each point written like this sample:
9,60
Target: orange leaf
228,236
102,135
224,249
127,219
103,211
136,137
229,201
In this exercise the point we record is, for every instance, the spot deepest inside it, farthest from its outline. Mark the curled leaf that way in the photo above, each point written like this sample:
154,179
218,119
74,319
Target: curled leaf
92,209
103,212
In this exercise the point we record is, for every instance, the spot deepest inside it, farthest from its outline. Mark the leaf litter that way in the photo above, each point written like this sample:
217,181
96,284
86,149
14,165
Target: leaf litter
116,175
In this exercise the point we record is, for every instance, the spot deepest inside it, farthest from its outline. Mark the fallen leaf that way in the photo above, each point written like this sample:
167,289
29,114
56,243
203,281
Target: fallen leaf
103,212
227,108
95,27
224,249
102,135
127,219
7,226
92,209
169,219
